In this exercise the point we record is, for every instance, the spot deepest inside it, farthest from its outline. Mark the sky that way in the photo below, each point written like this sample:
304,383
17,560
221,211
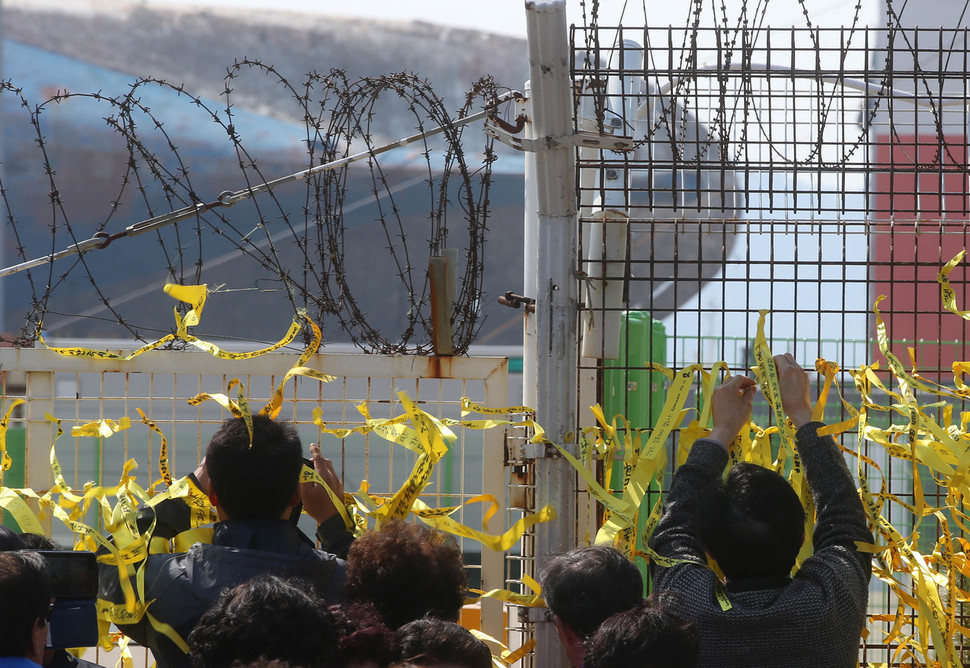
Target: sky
507,17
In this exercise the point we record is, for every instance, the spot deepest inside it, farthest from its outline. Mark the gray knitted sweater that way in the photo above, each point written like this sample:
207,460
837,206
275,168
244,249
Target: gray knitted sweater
815,619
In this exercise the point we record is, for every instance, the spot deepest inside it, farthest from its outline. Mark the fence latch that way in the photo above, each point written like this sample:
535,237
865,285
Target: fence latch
515,301
576,139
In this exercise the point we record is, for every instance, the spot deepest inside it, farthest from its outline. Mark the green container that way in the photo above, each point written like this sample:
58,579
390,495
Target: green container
16,476
630,389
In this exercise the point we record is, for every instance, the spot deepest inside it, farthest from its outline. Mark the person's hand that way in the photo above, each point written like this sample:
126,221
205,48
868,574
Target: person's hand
794,387
316,501
731,408
201,474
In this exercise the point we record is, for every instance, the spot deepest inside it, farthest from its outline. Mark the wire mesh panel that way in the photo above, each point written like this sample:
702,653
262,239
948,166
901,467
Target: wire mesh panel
805,172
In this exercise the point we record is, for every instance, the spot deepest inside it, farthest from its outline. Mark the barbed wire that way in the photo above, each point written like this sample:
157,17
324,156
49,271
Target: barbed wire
713,114
721,116
299,251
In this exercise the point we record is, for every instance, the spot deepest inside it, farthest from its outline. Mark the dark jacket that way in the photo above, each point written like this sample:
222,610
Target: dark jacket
181,587
64,659
814,619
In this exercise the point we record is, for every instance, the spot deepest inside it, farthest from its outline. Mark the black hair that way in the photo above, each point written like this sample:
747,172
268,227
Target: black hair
257,481
35,541
265,619
752,524
362,635
429,642
645,636
585,586
407,571
25,596
9,540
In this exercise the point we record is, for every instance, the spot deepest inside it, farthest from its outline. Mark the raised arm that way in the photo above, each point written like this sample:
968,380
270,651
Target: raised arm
731,410
840,516
332,533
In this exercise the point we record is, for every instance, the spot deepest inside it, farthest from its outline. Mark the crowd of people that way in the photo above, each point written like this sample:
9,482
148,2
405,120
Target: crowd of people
261,593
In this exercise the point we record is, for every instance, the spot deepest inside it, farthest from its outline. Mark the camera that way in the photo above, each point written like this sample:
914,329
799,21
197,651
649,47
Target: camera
74,586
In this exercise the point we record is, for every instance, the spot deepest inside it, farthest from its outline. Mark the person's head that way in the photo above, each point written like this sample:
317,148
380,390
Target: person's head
645,636
258,482
25,605
363,639
407,572
35,541
427,643
585,586
752,523
265,619
10,541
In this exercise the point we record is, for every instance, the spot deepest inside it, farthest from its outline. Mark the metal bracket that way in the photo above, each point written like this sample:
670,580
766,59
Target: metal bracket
540,451
577,139
538,615
515,301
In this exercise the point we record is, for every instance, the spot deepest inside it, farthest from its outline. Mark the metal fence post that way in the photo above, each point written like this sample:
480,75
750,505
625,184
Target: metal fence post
557,304
530,242
41,391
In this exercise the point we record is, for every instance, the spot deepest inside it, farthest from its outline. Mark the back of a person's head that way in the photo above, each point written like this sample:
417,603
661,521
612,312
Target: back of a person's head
363,639
10,541
407,572
585,586
644,636
752,524
434,642
263,620
25,597
35,541
257,482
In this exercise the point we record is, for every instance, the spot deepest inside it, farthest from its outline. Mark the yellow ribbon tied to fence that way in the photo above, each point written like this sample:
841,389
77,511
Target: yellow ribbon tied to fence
892,422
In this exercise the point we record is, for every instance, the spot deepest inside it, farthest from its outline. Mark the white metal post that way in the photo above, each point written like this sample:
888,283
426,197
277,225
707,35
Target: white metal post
557,304
530,242
39,435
